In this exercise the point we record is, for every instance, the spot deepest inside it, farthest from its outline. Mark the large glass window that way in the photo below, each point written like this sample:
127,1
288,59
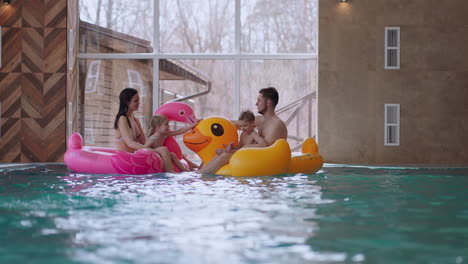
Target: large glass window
216,75
189,26
100,84
116,26
279,26
213,54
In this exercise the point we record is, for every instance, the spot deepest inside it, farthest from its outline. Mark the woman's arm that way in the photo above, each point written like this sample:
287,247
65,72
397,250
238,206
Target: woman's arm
142,138
126,133
150,142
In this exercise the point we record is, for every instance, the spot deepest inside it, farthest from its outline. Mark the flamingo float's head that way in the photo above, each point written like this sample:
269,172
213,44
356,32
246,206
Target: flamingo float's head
177,111
210,134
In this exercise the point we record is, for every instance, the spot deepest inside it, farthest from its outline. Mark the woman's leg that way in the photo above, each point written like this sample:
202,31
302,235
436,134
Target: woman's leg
166,159
177,162
192,165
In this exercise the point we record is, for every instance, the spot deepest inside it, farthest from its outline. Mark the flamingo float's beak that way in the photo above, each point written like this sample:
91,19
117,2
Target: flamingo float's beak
196,141
191,119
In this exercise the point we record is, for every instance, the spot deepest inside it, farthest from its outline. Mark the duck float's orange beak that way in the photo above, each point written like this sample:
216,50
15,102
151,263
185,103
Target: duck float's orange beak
196,141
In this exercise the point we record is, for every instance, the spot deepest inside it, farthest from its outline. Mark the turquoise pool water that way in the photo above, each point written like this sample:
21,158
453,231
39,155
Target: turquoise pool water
342,214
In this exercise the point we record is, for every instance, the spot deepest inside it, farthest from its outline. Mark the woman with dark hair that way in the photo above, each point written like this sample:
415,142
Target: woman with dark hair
129,133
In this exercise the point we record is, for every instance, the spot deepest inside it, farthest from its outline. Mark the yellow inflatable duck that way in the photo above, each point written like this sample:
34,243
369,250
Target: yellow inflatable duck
216,132
209,135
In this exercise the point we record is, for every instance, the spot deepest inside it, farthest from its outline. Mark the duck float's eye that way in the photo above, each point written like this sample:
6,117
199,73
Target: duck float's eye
217,129
181,112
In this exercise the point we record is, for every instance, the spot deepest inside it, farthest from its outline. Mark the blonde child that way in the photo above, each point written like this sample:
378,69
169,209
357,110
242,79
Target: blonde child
159,132
249,137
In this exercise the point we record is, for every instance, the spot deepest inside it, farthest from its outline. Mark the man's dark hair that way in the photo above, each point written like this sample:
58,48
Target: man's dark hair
271,94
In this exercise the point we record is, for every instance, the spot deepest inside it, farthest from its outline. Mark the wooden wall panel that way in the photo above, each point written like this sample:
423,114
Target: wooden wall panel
32,143
10,91
10,147
55,44
56,13
32,101
33,81
11,49
10,15
32,58
33,13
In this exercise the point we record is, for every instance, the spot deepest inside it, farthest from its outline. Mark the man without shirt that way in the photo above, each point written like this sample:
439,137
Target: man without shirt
269,126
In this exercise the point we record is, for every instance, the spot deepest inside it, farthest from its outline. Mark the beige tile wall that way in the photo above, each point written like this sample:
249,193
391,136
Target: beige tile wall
431,86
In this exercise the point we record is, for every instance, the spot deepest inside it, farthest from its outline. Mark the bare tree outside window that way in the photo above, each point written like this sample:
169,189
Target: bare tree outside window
270,26
134,18
196,27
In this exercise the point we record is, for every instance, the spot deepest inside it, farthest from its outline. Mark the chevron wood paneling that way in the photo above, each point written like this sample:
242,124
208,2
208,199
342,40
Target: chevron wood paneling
32,101
54,95
55,50
10,15
43,140
43,95
32,58
56,13
10,95
10,146
43,123
11,49
34,13
33,80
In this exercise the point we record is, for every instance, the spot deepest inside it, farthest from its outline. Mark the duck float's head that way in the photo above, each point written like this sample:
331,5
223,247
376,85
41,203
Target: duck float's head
177,111
209,135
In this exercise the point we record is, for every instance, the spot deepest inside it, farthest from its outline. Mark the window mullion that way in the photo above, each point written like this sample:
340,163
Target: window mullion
225,56
237,61
155,56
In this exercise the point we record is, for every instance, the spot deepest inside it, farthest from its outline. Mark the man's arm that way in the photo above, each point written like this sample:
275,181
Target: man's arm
272,137
260,141
275,132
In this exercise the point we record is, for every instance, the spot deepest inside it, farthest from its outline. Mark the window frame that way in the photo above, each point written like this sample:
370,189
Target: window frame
387,48
237,56
388,124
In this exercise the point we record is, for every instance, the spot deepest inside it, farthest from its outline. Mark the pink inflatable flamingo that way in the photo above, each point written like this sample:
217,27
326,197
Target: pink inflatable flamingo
111,161
176,111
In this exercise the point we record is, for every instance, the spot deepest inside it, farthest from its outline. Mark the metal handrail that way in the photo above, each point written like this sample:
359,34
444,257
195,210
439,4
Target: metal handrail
298,105
291,105
208,86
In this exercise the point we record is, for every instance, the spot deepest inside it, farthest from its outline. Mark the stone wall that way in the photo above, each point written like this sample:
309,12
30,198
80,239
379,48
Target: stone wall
431,85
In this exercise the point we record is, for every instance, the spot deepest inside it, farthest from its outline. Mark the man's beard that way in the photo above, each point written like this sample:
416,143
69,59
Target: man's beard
262,111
